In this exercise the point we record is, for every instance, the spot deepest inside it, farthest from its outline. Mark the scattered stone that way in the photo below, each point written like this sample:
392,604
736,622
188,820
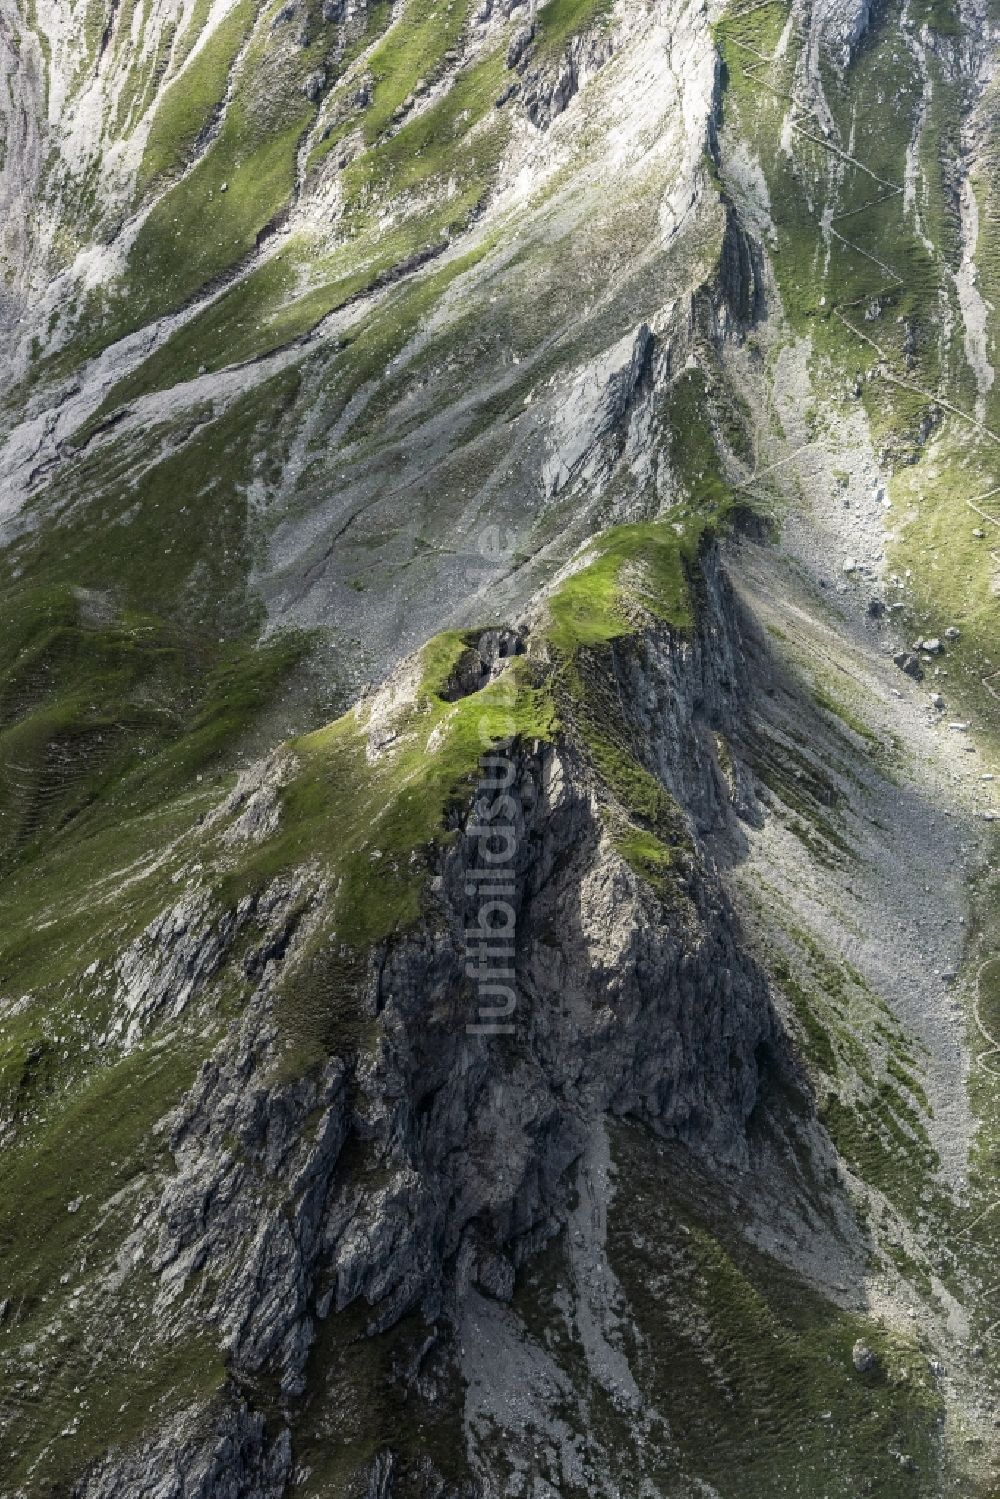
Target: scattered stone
863,1358
909,664
224,187
952,633
937,701
850,564
906,1462
75,1205
876,608
961,728
979,533
933,647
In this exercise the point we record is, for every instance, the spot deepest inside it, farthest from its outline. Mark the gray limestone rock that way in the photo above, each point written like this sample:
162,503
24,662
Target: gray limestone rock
588,430
407,1176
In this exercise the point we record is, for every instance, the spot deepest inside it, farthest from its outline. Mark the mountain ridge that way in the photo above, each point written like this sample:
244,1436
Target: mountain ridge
605,391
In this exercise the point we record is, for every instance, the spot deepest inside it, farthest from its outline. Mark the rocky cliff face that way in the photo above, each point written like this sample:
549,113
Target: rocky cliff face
497,978
441,1157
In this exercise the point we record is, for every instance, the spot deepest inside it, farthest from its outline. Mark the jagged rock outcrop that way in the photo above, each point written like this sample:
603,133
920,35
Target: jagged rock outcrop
840,24
626,1003
547,90
740,299
228,1457
590,428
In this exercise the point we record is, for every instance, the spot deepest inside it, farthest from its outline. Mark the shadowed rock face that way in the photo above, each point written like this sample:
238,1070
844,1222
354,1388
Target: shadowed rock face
443,1160
543,1077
